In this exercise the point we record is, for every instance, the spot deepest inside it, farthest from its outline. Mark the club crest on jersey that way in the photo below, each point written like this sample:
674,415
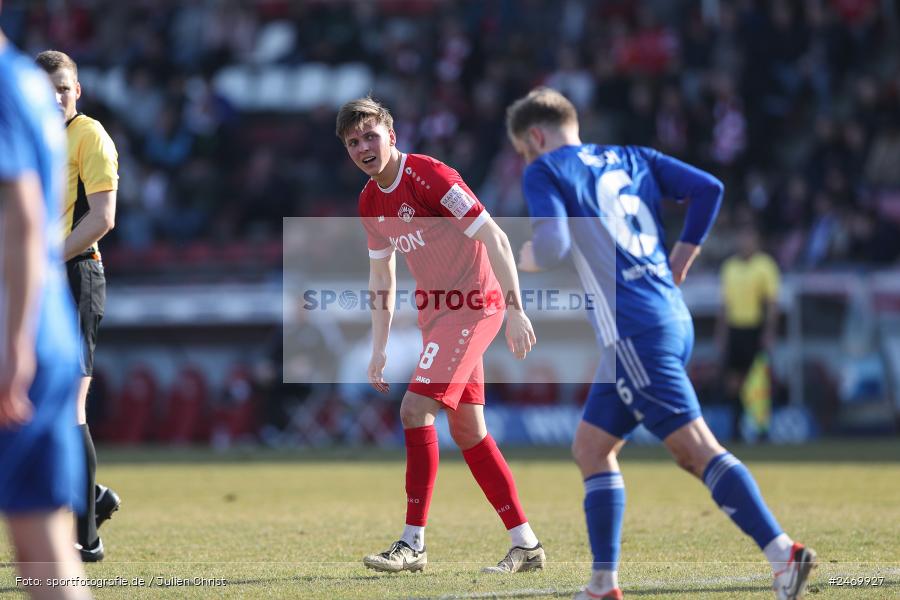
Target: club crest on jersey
406,212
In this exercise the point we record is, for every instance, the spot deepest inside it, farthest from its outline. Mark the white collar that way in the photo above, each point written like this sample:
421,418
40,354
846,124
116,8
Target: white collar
394,185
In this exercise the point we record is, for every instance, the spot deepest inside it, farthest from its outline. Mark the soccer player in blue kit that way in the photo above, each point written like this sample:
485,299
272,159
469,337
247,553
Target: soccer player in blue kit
40,451
601,205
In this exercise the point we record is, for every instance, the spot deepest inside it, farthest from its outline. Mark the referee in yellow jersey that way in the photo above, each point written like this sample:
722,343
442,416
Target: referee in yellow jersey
88,213
748,320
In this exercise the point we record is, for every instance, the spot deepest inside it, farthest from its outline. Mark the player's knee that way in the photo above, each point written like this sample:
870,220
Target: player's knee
691,459
466,433
591,457
411,416
466,438
685,461
578,450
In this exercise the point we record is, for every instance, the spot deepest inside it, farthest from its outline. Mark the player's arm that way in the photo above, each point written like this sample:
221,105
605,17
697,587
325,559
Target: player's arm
702,191
550,242
97,222
22,252
383,288
520,336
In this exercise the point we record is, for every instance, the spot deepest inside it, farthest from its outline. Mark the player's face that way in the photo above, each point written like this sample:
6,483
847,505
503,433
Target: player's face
747,242
369,145
68,90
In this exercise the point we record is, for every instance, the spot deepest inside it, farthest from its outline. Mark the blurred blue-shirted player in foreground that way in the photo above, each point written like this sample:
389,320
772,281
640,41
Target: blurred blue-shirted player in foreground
40,452
601,205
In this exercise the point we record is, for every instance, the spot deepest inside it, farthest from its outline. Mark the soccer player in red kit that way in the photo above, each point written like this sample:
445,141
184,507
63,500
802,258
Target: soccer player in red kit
464,269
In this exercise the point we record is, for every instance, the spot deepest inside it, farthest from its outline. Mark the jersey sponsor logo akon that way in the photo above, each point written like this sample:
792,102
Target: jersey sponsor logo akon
408,242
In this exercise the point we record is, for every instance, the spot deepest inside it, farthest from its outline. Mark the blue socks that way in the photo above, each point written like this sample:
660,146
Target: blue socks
604,508
732,487
734,490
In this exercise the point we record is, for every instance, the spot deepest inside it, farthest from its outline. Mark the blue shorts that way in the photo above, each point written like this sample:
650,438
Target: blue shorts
42,462
651,385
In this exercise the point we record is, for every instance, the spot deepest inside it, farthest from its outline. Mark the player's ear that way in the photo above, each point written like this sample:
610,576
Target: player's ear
536,135
77,90
392,136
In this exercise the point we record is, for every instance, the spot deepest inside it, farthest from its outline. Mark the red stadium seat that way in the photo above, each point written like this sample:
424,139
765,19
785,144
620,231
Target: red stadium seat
198,253
159,255
134,408
234,414
183,409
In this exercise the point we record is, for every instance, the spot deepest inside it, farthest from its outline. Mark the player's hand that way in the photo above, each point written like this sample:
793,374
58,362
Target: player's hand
16,375
681,259
376,372
520,338
527,262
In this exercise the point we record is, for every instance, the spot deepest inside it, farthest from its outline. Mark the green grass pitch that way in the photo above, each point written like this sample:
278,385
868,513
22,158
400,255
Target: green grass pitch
295,525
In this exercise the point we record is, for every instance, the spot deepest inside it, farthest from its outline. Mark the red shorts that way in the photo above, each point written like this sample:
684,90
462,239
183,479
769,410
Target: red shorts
450,368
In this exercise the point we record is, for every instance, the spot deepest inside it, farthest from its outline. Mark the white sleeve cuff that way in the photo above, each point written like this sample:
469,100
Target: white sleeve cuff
475,225
383,253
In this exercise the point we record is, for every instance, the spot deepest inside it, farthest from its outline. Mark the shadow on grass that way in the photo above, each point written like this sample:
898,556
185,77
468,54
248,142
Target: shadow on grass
883,450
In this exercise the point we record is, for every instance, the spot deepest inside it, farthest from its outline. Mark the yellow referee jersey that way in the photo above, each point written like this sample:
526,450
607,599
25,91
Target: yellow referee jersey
747,286
93,167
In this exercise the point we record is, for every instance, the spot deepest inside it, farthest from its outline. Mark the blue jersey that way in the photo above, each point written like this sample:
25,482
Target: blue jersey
601,204
41,462
32,140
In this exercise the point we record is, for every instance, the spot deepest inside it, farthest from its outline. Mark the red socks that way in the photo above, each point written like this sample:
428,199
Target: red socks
486,463
421,471
493,475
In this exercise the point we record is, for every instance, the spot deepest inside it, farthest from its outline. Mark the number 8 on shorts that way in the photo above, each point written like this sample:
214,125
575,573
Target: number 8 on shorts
428,355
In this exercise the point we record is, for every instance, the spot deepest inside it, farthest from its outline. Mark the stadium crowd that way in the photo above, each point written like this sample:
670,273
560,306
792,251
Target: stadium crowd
793,104
769,96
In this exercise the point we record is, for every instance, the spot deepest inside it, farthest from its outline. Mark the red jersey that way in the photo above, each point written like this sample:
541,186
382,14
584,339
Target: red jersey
429,214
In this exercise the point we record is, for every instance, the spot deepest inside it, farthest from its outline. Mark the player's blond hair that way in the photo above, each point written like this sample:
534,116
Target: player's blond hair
542,106
359,112
52,61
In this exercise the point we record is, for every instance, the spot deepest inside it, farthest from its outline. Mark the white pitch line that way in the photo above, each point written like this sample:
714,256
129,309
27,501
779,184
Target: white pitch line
662,585
568,592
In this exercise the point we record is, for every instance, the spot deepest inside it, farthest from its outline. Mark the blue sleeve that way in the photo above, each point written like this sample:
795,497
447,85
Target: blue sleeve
14,155
549,220
13,147
681,181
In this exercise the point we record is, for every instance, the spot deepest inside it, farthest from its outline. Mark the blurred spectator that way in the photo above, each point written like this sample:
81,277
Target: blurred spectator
168,142
793,100
884,157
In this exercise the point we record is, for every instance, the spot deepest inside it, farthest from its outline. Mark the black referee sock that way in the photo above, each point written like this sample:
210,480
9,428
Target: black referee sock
87,522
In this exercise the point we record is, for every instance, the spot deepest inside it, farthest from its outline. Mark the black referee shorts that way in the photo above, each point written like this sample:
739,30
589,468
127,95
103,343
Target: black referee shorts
88,284
743,346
